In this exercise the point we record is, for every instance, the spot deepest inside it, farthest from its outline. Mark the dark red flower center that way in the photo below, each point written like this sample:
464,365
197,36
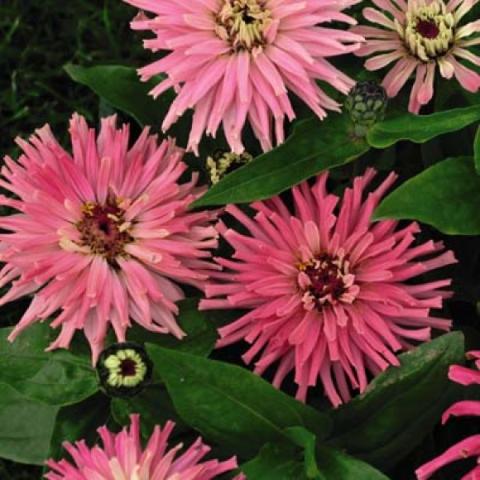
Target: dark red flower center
102,229
326,278
128,368
427,29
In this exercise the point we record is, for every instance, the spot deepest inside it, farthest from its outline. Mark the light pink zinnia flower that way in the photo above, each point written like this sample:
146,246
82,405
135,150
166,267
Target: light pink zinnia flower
231,60
327,291
101,234
419,37
470,447
122,457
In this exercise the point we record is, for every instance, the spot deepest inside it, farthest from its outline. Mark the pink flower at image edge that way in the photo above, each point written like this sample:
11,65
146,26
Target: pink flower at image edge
327,293
122,456
101,237
234,61
470,447
419,37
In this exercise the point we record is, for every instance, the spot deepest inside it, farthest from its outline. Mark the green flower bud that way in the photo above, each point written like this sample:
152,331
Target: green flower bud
366,103
222,163
124,369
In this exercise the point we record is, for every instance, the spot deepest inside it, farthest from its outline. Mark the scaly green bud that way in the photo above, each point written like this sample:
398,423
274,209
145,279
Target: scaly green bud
366,103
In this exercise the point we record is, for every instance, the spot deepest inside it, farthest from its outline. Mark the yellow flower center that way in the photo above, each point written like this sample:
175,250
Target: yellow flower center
242,23
126,369
429,30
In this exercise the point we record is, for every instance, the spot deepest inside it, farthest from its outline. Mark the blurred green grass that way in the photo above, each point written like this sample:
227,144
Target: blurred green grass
37,38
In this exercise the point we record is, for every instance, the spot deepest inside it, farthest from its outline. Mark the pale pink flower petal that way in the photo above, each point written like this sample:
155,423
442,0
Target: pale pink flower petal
234,61
420,34
101,236
122,456
327,291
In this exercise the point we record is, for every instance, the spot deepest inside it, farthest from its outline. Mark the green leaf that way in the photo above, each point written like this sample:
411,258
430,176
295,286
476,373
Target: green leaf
121,88
476,150
421,128
283,461
313,147
56,378
200,330
26,427
401,405
79,422
228,404
446,196
154,406
336,465
276,461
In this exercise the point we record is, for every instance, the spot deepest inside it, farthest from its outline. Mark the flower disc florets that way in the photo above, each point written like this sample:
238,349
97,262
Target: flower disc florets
124,369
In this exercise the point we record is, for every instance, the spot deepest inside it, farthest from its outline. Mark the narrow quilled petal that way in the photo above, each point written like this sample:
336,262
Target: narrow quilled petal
123,457
469,447
234,61
419,36
102,235
328,291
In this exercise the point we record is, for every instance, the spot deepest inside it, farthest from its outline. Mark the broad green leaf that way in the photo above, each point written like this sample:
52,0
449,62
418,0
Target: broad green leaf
228,404
476,150
336,465
121,88
201,332
446,196
79,422
421,128
276,461
401,405
313,147
26,427
56,378
283,461
154,406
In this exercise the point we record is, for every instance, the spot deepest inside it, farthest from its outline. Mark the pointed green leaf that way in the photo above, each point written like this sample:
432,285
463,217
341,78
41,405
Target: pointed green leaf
56,378
421,128
446,196
313,147
121,88
401,405
26,427
230,405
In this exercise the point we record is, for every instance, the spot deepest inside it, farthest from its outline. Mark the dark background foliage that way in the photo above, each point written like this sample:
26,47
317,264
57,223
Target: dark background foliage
37,38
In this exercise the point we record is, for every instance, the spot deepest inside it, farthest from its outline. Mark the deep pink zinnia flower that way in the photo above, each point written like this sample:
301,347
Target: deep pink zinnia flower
101,234
327,291
470,447
420,36
233,60
122,457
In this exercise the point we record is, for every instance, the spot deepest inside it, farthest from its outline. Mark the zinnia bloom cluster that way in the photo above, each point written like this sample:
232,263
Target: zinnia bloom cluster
122,457
420,36
470,447
101,236
329,291
235,60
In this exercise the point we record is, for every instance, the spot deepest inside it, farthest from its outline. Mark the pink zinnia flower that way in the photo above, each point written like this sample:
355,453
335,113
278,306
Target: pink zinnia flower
327,291
421,36
470,447
233,60
101,234
122,457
